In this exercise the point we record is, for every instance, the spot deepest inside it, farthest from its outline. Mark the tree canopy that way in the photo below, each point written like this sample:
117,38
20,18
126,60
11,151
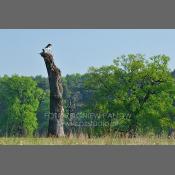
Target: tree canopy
140,92
19,97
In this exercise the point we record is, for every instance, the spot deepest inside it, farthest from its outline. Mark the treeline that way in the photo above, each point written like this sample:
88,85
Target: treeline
134,95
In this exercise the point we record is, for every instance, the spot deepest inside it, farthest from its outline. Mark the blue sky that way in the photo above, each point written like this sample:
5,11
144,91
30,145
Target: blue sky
77,49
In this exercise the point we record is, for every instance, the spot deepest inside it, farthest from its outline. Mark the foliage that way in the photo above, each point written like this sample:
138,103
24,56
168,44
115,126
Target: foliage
19,97
134,95
140,92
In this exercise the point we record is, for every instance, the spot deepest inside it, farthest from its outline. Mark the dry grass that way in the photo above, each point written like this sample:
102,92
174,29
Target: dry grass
86,141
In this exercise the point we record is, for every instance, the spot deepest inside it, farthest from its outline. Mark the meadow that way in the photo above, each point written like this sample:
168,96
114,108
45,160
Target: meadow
82,140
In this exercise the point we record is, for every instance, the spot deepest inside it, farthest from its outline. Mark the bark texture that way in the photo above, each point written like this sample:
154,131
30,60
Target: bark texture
56,116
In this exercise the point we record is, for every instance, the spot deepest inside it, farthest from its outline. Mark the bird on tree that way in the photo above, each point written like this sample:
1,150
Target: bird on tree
48,48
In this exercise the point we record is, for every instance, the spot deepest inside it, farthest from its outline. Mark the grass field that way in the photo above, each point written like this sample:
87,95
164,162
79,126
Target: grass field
86,141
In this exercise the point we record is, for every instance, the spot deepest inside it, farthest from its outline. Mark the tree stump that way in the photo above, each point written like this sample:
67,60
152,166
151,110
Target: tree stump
56,116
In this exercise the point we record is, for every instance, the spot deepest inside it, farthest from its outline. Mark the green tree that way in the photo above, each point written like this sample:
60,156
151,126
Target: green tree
19,97
140,92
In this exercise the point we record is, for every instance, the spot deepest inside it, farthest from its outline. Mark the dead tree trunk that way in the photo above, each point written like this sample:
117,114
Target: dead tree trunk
56,117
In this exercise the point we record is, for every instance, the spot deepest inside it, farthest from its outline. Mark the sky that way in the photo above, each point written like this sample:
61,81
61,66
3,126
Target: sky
75,50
